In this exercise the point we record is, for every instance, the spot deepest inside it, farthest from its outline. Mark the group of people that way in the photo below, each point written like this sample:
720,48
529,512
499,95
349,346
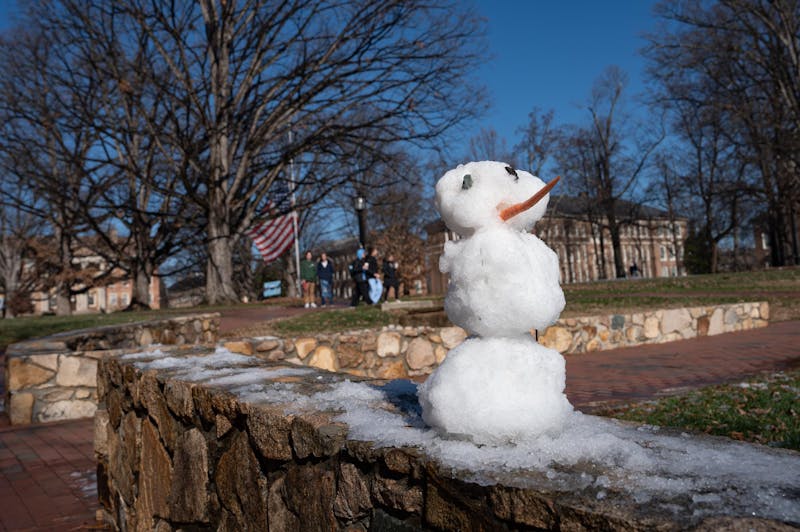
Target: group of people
369,284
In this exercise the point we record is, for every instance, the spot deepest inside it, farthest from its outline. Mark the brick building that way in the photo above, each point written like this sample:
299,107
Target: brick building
648,238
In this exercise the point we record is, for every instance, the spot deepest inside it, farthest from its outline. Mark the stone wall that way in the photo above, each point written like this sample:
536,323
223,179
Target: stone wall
400,352
206,441
54,378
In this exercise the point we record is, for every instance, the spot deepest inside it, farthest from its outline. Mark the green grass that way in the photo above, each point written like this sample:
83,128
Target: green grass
22,328
334,320
763,409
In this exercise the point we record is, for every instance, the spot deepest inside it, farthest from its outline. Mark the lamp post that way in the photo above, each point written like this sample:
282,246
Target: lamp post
361,207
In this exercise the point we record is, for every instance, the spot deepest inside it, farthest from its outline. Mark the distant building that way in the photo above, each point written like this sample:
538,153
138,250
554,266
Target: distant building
108,291
648,239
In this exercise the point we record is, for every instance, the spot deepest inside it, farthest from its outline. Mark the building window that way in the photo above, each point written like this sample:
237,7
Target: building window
663,253
124,299
112,299
90,299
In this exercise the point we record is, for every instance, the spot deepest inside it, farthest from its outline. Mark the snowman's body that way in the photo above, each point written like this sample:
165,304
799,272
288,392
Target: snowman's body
499,385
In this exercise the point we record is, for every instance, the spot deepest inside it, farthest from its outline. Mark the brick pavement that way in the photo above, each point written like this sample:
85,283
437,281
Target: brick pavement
643,372
47,472
48,477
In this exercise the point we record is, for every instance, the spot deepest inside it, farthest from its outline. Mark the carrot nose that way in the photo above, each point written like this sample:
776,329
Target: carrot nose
517,208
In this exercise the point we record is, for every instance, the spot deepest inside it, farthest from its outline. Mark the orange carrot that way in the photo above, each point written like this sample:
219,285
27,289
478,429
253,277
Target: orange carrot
517,208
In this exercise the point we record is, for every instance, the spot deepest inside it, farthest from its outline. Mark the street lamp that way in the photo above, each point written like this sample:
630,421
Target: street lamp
361,207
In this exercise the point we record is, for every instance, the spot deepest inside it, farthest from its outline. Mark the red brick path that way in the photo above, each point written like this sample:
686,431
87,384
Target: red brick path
47,479
643,372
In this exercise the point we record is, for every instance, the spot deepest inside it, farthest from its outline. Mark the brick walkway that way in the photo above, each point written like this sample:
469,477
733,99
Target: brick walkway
47,472
645,371
48,477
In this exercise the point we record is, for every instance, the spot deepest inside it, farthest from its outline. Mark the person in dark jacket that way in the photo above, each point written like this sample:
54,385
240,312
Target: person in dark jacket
325,276
359,271
308,278
390,280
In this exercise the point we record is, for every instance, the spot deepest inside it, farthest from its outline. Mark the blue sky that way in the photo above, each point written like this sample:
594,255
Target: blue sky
545,53
548,54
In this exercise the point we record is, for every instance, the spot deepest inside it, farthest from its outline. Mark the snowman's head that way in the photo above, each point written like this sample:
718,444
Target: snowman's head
478,195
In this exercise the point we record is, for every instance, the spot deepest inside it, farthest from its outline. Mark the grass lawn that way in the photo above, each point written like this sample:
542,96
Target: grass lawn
334,320
764,409
22,328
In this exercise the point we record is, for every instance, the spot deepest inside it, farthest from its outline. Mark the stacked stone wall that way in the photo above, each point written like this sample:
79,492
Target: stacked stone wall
401,352
54,378
180,453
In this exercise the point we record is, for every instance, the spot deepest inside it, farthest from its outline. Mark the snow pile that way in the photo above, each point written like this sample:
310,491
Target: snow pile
520,390
222,368
501,386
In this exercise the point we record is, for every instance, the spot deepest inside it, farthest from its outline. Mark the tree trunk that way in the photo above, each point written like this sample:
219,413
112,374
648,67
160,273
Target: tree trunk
219,266
140,299
616,247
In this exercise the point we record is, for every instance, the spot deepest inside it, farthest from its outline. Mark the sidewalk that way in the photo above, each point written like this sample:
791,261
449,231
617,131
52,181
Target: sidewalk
47,472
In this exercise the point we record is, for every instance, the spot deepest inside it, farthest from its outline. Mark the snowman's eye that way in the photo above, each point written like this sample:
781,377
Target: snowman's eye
467,182
513,172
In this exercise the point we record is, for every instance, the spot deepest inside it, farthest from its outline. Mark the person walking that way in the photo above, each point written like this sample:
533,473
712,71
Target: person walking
308,278
390,281
359,271
325,276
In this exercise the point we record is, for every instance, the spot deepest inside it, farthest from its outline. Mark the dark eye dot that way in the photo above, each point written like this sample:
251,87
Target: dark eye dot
467,182
512,172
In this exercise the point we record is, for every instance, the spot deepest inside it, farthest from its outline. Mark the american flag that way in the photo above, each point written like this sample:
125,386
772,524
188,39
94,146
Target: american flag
273,237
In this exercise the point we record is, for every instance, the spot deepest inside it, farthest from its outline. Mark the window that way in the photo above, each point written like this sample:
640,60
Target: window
112,299
663,253
90,299
125,299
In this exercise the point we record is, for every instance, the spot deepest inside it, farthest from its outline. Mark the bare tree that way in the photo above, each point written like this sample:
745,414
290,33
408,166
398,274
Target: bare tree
538,140
47,145
608,157
488,145
243,75
742,58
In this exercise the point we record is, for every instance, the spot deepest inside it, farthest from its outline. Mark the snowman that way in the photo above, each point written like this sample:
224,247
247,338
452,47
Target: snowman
499,385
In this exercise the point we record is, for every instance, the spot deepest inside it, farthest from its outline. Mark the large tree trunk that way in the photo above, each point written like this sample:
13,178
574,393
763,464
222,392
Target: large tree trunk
616,247
140,298
219,266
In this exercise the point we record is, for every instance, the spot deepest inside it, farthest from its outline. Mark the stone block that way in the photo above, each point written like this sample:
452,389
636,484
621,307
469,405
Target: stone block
77,371
350,355
101,432
352,493
764,310
270,430
155,475
20,411
558,338
440,353
323,358
188,500
452,336
241,347
241,487
391,370
304,346
715,324
651,328
703,324
267,345
388,344
24,374
675,320
420,354
69,409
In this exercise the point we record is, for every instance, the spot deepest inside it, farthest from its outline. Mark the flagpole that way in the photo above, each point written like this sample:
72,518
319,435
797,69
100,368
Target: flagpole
294,224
